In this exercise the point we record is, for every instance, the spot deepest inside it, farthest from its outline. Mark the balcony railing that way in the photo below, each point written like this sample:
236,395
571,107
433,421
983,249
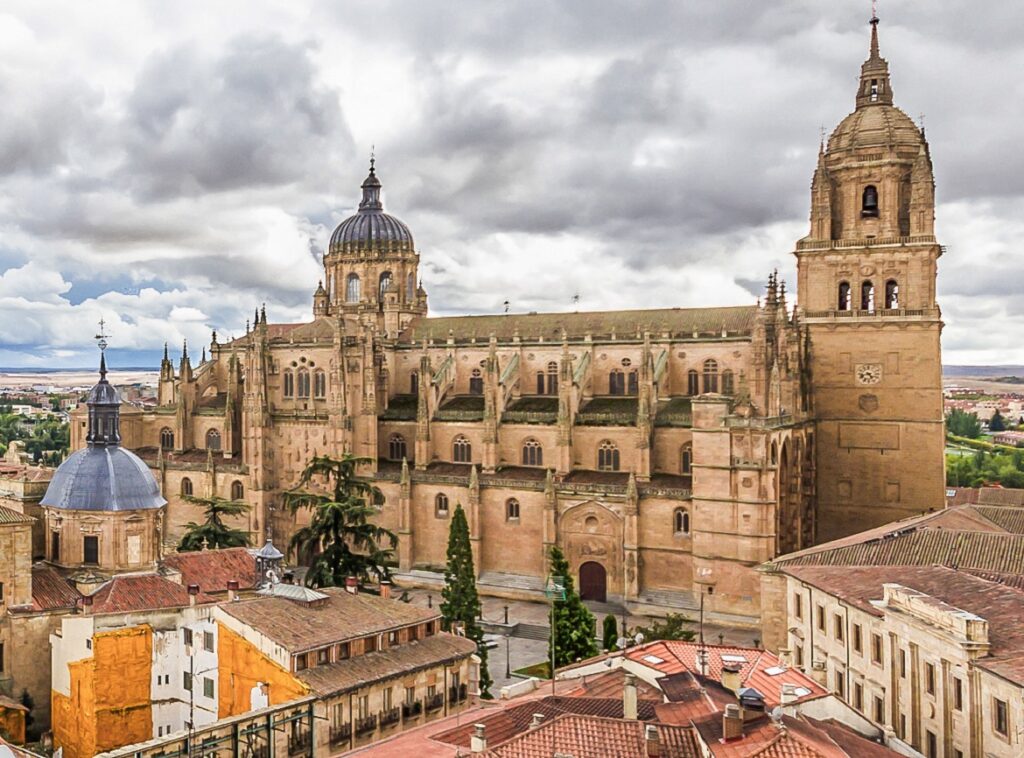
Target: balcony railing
435,701
390,716
766,422
366,725
864,242
300,742
340,733
530,417
593,418
877,313
458,693
412,710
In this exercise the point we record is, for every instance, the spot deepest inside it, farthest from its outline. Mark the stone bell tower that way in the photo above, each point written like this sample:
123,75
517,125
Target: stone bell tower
866,278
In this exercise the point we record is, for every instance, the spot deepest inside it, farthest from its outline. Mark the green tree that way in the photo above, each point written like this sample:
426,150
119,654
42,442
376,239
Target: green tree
997,423
460,602
963,424
673,627
611,632
213,531
341,539
572,622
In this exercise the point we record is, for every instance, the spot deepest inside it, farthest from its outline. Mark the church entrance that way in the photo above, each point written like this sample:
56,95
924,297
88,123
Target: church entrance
593,582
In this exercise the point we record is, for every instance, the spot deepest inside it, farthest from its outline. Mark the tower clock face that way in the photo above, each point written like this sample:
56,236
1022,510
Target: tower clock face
869,373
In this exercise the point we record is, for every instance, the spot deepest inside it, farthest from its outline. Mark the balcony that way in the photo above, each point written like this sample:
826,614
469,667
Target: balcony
534,409
873,315
435,701
462,408
458,693
412,710
400,408
608,411
339,733
390,716
811,244
675,412
366,725
300,741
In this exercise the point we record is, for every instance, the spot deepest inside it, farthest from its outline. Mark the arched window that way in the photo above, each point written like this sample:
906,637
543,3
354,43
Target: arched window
441,505
410,288
385,283
616,382
289,384
476,382
869,202
319,384
533,453
552,378
352,288
237,490
845,296
607,456
414,382
541,386
213,440
692,382
633,387
512,510
166,439
711,375
462,451
892,294
728,385
686,459
681,521
396,447
774,459
186,487
867,296
303,383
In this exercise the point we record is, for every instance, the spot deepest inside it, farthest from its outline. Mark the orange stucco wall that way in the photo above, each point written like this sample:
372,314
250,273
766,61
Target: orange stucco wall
12,725
109,704
241,666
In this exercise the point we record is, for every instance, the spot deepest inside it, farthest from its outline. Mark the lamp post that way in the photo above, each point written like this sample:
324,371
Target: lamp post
554,588
508,659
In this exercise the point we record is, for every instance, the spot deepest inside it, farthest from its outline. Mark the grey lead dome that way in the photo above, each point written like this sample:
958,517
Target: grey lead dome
370,226
103,479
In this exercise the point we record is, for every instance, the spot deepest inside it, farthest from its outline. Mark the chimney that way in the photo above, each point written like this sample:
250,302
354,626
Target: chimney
193,592
478,742
732,723
351,585
702,662
385,589
789,694
731,677
232,589
629,697
651,741
535,721
86,604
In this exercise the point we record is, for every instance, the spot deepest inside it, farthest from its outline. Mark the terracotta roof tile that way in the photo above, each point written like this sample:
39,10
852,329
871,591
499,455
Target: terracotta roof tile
213,569
142,592
10,516
610,684
51,591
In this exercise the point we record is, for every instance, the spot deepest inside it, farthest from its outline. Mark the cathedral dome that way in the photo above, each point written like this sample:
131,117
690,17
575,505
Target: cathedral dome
103,479
371,226
877,125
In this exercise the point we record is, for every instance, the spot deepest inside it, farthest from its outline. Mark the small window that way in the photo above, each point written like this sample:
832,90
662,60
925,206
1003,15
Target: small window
237,490
692,382
385,285
681,521
441,505
323,655
929,678
207,687
533,453
55,547
319,385
476,382
840,684
728,384
798,605
301,662
208,641
858,696
686,459
858,642
414,383
845,296
303,383
869,202
396,447
462,451
837,624
879,710
773,458
392,641
932,743
410,288
892,294
370,644
352,288
552,388
798,652
213,440
288,382
903,664
186,637
512,510
711,375
633,387
541,387
820,612
867,296
91,549
616,382
1001,717
958,694
186,487
186,681
876,649
166,439
607,456
343,651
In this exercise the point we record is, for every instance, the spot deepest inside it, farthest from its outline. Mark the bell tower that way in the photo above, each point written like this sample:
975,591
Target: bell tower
866,290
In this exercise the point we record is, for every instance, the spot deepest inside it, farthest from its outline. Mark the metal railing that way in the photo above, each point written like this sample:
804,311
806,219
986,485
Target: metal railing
366,725
434,702
586,418
300,742
412,710
339,733
390,716
530,417
864,242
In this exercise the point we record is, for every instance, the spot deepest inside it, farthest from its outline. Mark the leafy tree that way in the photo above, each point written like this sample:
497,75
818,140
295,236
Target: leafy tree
460,604
572,622
213,531
997,423
673,627
340,535
963,424
611,632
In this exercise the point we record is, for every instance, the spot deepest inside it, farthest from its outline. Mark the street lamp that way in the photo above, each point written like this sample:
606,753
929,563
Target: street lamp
508,660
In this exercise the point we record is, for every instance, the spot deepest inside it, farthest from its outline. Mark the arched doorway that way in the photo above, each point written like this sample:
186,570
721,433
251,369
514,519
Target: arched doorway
593,582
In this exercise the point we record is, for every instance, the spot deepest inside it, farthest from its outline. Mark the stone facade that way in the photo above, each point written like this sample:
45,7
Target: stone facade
667,451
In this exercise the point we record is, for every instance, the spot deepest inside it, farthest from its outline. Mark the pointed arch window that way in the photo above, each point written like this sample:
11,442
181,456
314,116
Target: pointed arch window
441,505
867,296
303,383
213,440
186,487
396,447
410,288
166,439
686,459
288,384
711,375
512,509
541,386
414,382
319,384
845,296
462,451
607,456
384,285
633,383
533,453
692,382
728,383
869,202
681,521
352,288
476,382
774,459
892,294
552,378
616,382
237,490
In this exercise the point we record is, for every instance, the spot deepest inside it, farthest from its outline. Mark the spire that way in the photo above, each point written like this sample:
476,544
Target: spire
166,357
371,190
874,74
103,367
104,404
184,350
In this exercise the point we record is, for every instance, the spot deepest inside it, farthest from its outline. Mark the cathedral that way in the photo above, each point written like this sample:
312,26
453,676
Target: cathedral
666,451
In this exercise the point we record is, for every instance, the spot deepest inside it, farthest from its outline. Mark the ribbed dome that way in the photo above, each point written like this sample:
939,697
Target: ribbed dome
875,125
371,227
103,479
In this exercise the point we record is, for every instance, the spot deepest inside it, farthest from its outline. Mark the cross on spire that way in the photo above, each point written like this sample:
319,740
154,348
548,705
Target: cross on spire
101,336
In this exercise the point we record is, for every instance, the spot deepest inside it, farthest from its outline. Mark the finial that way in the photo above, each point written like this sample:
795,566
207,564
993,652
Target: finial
203,360
263,313
166,356
184,350
256,317
213,337
874,29
101,337
373,157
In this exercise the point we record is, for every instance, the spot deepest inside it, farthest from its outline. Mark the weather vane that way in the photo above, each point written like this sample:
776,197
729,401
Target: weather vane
874,9
373,155
101,337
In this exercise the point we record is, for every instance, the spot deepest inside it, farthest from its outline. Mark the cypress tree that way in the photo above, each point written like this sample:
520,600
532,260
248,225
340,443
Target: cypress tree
611,632
573,623
460,604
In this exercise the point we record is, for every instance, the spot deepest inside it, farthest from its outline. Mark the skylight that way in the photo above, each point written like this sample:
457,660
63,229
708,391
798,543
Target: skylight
653,659
774,670
734,659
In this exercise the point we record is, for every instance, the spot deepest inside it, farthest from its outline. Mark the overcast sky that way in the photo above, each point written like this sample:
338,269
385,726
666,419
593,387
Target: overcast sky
169,166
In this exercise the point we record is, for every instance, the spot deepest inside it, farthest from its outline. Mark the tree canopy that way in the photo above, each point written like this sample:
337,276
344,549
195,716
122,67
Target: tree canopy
213,532
963,424
571,620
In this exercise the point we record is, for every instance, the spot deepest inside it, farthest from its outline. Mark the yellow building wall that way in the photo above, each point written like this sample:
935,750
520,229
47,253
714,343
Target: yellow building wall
12,725
109,704
241,666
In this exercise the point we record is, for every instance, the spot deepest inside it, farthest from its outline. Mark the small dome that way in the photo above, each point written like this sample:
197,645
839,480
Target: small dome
371,227
875,126
103,479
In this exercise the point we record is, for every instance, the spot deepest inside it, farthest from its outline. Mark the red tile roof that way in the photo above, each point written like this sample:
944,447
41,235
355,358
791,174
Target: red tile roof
610,683
51,591
213,569
9,516
142,592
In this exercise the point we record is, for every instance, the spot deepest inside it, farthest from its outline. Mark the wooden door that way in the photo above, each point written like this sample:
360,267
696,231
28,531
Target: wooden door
593,582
